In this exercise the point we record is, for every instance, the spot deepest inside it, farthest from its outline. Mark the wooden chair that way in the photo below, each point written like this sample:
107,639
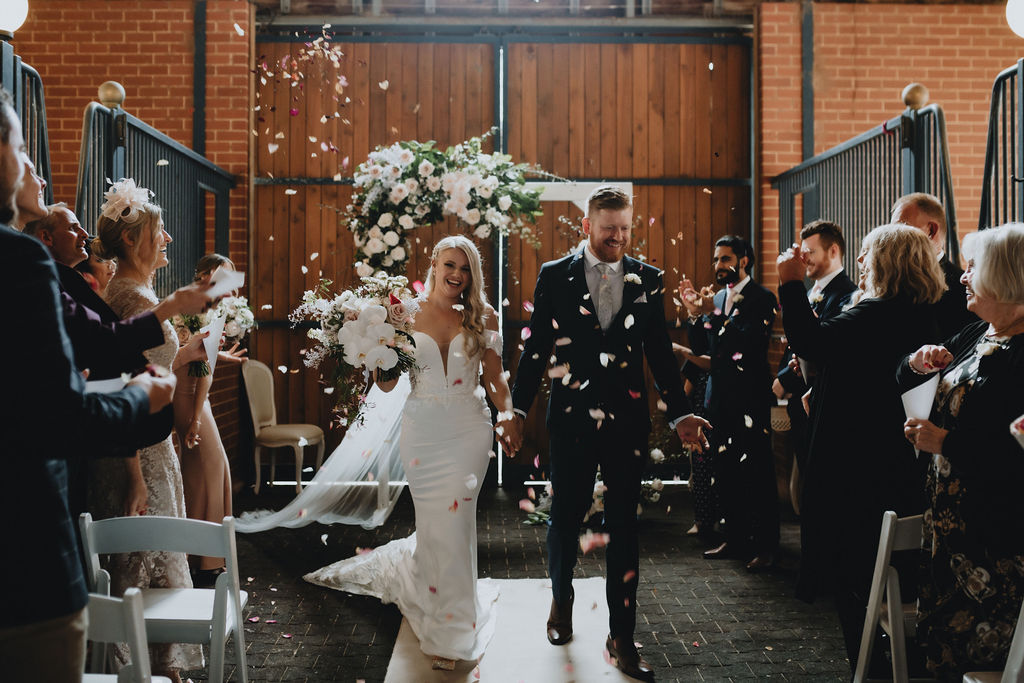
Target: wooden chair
259,387
177,615
119,620
1014,671
885,603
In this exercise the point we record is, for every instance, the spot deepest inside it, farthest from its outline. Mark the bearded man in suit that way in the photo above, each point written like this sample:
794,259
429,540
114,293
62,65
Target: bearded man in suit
733,326
603,313
925,212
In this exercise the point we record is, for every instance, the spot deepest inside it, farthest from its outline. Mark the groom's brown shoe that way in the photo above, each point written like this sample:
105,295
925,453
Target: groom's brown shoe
560,621
628,660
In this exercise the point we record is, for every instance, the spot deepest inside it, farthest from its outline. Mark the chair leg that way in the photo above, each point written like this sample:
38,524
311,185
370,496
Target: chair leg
241,666
897,632
298,468
320,453
256,459
217,658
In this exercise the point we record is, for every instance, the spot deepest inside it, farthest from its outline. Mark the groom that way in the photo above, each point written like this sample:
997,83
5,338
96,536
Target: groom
602,313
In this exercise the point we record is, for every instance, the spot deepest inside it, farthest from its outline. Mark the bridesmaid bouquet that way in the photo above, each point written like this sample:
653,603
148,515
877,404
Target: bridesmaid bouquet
1017,429
366,329
238,317
187,325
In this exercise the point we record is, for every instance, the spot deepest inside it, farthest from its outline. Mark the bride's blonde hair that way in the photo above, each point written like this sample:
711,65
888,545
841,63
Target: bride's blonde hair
473,296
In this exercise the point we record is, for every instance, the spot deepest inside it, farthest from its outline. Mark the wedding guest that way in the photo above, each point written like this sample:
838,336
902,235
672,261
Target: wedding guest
43,624
857,431
706,508
95,270
131,229
925,212
972,581
29,201
733,326
205,471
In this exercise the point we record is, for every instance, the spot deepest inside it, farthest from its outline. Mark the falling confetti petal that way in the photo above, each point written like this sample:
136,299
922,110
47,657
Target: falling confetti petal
293,111
589,541
563,341
304,269
629,576
282,369
536,461
634,394
471,481
525,333
748,421
163,162
737,355
528,306
629,321
272,147
239,30
417,287
384,85
266,307
432,589
454,506
290,191
651,222
323,539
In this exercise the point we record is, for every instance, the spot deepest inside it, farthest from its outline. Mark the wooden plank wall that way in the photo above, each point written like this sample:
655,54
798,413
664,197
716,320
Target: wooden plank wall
633,111
442,92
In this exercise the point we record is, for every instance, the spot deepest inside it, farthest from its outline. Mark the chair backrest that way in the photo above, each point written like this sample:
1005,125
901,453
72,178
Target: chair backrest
119,620
1014,671
169,534
259,387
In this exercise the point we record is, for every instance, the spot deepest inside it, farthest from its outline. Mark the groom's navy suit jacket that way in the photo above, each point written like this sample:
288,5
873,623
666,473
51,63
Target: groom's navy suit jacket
606,368
45,419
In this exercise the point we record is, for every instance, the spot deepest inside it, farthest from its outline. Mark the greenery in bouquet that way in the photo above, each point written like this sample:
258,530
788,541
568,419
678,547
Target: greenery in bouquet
186,326
238,317
412,184
365,330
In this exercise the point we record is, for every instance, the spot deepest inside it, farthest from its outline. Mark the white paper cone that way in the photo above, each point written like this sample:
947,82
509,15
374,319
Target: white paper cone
917,402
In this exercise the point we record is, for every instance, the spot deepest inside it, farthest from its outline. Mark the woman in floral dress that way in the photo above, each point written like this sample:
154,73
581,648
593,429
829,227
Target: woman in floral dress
972,581
132,231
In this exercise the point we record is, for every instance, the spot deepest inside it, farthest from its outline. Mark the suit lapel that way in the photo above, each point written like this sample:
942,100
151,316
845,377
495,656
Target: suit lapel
578,284
631,291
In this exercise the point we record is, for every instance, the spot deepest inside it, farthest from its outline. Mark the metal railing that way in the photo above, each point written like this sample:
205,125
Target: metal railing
26,86
855,183
117,145
1002,191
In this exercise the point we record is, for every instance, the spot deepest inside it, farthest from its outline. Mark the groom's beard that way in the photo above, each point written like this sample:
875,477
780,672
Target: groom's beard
727,276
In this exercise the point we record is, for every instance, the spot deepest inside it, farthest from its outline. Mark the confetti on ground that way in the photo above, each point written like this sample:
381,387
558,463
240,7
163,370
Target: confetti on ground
286,635
253,620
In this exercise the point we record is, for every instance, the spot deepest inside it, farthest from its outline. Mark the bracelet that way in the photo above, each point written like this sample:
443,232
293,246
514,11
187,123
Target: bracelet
916,371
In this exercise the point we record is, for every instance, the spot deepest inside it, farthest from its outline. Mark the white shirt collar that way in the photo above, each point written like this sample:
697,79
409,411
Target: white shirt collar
738,287
823,282
592,259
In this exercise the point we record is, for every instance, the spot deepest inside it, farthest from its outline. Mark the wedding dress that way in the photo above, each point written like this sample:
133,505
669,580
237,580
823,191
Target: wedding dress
446,437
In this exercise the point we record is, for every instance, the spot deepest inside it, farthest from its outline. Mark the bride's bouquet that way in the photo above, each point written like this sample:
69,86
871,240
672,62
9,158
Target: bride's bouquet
366,329
238,317
186,326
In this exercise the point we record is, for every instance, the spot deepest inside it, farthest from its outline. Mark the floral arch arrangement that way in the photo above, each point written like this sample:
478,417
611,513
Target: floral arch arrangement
412,184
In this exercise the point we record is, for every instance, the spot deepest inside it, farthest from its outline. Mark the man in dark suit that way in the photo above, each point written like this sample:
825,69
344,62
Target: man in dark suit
603,314
925,212
44,417
734,326
822,246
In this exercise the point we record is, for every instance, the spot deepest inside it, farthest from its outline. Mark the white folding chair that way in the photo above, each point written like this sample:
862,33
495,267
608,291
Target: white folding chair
178,615
259,388
119,620
898,619
1014,671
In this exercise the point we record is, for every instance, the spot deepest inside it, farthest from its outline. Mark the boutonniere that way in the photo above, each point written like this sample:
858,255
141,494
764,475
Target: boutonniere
817,298
632,277
738,298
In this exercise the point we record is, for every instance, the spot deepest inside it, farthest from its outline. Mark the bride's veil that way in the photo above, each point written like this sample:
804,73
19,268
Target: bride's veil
362,479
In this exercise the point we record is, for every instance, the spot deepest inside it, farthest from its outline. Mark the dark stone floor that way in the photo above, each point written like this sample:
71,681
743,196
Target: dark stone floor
698,620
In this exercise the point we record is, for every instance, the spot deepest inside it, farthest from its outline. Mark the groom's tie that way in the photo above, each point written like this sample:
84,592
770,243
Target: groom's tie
604,302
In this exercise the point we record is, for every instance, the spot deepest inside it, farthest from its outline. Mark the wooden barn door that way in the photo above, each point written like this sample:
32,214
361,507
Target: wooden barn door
671,117
396,91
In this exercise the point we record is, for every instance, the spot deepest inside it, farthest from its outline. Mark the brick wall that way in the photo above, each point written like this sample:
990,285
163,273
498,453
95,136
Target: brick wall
864,54
148,47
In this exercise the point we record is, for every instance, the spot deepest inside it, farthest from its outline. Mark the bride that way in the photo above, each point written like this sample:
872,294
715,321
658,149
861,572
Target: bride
444,447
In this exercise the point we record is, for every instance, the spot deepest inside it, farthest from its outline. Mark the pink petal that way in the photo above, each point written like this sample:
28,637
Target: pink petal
525,333
528,306
253,620
417,287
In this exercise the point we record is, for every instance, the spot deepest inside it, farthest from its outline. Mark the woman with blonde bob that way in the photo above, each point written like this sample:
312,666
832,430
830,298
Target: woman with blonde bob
972,580
859,464
131,230
446,439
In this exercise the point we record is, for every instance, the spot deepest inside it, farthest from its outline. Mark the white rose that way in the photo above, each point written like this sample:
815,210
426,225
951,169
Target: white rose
657,455
391,237
492,216
232,329
504,202
387,262
483,231
405,157
472,216
407,222
374,246
398,193
394,171
364,269
412,186
358,240
398,254
484,191
425,168
385,220
433,183
376,172
375,232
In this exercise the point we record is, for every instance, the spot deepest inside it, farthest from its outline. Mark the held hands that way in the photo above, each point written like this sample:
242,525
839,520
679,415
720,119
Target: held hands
790,265
691,432
930,358
924,435
511,434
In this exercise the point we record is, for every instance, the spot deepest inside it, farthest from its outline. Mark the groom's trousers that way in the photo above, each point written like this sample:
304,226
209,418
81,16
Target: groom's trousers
574,461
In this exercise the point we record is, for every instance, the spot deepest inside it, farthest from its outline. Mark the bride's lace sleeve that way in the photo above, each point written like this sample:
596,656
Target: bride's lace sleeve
494,341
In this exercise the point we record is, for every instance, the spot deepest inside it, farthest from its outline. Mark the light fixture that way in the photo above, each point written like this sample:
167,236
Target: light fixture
1015,16
12,15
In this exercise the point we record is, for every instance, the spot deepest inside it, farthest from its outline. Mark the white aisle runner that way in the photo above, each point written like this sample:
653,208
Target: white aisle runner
519,650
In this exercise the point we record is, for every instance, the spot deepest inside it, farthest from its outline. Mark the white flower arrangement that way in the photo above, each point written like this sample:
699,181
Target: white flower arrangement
365,329
124,199
412,184
238,317
632,277
817,297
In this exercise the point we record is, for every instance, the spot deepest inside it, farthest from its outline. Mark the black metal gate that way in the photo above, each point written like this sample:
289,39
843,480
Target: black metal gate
1002,193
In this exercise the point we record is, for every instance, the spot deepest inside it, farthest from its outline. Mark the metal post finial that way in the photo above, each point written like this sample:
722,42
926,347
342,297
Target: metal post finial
111,94
915,96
